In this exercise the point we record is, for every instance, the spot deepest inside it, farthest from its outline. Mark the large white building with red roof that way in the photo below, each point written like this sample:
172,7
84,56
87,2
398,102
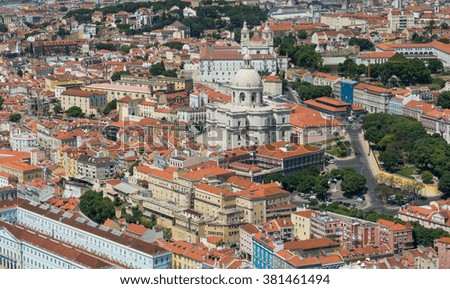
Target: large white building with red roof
221,63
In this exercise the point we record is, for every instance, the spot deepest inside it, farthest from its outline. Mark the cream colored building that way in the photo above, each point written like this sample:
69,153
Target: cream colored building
302,224
340,21
90,102
400,19
117,91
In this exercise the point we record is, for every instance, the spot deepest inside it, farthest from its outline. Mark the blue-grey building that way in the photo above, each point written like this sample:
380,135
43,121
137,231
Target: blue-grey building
347,90
263,250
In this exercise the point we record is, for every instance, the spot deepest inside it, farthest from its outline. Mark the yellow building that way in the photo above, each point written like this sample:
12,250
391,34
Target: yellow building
184,255
158,83
302,224
23,171
90,102
264,203
69,161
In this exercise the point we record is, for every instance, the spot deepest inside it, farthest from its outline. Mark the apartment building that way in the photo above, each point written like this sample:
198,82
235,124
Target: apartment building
23,141
372,98
435,215
437,121
99,168
397,236
302,224
117,91
443,250
90,102
246,233
86,235
157,83
22,248
400,19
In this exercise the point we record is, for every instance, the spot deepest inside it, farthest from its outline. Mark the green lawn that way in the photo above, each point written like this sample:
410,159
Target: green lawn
333,150
319,143
406,172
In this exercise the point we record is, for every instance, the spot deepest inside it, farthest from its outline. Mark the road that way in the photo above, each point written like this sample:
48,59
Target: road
361,165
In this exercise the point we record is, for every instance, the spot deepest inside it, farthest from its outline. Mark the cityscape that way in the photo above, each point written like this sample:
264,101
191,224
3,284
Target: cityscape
221,134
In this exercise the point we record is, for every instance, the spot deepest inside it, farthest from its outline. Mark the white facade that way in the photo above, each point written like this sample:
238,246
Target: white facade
23,141
220,64
87,235
247,120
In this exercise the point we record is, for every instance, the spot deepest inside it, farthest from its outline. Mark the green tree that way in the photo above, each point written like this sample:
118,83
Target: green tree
20,72
157,69
427,177
174,45
167,234
3,28
363,43
117,201
307,91
15,117
425,237
126,48
96,207
444,183
170,73
106,46
57,108
444,99
75,111
435,65
1,102
305,56
302,34
444,25
353,183
116,75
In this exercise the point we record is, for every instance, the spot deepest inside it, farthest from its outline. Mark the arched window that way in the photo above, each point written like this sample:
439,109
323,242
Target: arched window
234,96
253,97
242,95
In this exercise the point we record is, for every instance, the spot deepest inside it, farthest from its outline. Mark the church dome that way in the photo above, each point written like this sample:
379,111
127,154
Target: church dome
247,76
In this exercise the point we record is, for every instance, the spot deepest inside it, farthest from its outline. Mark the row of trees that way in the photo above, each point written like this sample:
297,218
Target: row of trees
401,139
307,91
352,183
397,71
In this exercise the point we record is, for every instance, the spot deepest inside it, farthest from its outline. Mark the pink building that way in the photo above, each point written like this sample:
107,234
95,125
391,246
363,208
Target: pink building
397,236
443,248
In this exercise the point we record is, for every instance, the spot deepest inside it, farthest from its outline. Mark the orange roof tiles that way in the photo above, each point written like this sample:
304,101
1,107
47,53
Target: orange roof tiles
250,228
310,244
214,190
137,229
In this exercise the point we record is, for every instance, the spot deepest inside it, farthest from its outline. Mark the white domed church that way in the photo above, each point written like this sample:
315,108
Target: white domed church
247,120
